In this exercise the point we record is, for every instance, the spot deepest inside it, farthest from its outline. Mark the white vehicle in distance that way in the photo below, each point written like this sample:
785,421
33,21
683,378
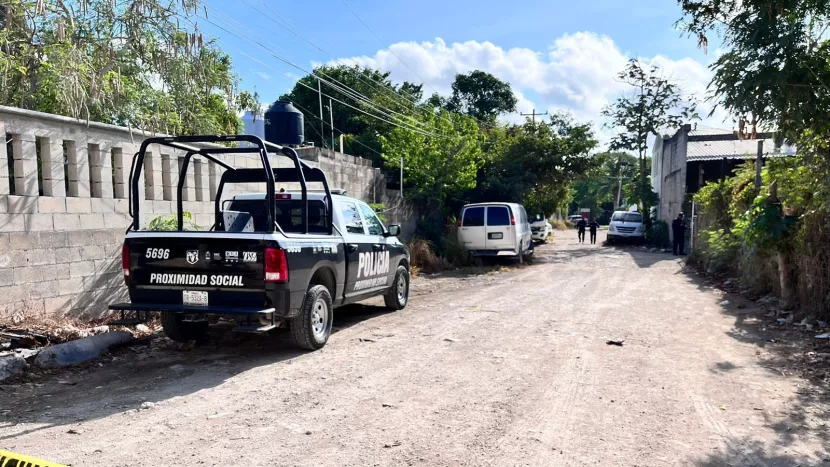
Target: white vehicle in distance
495,229
626,225
540,228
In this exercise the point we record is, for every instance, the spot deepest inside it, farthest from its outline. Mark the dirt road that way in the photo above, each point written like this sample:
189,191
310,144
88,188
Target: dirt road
498,369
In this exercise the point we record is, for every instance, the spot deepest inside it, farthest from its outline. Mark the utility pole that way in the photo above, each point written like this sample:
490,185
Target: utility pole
322,120
401,177
331,123
533,115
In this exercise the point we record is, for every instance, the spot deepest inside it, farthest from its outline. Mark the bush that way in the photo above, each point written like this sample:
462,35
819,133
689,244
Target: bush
171,223
658,234
560,224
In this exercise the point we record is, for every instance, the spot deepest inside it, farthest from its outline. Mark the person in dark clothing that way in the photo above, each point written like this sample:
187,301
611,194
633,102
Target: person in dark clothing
580,227
678,228
593,226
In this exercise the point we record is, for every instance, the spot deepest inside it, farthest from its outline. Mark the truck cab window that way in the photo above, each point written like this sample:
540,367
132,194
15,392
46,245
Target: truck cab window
372,222
351,218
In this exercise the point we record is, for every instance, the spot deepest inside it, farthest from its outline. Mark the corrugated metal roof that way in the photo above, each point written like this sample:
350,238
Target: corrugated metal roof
746,149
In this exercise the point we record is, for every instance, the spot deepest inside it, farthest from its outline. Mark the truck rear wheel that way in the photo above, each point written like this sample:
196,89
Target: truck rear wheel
312,327
398,296
182,331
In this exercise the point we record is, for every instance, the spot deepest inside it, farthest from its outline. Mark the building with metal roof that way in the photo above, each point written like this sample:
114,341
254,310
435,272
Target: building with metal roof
683,163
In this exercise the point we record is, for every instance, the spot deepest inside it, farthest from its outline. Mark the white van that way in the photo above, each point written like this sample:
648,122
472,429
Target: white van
626,225
495,229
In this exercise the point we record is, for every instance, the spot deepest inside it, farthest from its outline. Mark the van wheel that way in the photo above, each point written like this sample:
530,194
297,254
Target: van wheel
312,327
179,330
398,296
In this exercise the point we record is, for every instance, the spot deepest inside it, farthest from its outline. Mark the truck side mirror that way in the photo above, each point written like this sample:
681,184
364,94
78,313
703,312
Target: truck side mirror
393,231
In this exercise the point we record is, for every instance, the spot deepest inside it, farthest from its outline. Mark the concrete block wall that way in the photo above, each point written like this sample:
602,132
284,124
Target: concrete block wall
64,206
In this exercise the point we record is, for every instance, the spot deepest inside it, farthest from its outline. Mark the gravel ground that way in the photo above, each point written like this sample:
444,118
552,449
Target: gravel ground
505,367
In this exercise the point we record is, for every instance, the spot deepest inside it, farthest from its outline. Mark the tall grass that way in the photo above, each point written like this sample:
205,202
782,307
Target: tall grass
428,257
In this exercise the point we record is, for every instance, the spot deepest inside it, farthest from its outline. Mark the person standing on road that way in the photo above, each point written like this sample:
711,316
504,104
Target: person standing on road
678,228
580,228
593,226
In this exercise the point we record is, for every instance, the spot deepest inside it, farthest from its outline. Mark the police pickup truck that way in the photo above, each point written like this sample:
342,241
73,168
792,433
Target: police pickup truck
272,259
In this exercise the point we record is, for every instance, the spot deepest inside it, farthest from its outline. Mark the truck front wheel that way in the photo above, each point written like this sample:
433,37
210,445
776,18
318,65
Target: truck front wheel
182,331
398,296
312,327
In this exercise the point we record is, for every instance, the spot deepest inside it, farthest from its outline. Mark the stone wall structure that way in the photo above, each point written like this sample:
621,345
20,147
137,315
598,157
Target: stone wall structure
64,206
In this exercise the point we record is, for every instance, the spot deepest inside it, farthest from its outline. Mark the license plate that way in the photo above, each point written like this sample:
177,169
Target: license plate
194,298
496,236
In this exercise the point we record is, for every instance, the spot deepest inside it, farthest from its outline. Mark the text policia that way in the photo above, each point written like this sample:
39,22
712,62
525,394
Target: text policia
374,267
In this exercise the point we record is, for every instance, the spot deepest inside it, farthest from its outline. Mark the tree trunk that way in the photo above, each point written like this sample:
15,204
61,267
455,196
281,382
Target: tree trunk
785,278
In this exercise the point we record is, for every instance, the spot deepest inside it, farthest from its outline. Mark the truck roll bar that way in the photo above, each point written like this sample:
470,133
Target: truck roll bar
301,173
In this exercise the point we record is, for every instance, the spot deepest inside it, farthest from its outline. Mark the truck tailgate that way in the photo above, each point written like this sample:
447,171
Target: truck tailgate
204,269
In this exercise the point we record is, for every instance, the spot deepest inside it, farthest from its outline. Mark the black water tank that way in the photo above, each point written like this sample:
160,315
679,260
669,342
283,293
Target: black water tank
283,124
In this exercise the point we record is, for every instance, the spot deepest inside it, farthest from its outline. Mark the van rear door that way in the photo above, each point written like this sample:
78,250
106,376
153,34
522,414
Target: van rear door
472,231
500,231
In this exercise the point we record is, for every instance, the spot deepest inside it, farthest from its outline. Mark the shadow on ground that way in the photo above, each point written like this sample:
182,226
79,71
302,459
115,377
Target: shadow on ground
129,377
784,350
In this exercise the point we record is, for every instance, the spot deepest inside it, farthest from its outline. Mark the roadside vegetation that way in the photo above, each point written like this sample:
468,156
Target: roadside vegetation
772,73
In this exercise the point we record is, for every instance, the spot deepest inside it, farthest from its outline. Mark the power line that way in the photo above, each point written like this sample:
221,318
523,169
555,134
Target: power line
384,44
403,125
399,96
351,93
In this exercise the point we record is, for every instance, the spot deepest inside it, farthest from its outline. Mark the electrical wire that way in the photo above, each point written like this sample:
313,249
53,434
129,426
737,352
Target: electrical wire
343,88
399,96
294,65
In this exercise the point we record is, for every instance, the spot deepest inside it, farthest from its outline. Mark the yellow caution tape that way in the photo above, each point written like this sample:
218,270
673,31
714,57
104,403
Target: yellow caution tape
10,459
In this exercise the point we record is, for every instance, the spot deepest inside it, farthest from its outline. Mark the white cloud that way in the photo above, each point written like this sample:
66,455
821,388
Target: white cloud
577,73
263,75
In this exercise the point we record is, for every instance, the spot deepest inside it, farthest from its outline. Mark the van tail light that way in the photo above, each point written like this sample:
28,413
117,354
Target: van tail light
459,222
125,260
276,265
512,219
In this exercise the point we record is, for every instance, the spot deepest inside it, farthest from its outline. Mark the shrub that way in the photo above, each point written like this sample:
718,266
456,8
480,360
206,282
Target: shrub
171,223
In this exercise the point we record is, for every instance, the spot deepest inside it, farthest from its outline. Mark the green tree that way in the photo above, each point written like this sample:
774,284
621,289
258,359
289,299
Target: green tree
481,96
534,164
116,61
394,103
655,105
608,185
439,164
775,69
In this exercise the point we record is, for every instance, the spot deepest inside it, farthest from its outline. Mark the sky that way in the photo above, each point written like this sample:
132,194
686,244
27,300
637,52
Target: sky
557,55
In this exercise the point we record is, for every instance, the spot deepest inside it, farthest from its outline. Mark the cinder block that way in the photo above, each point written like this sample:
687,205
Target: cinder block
109,237
101,205
6,277
39,222
45,289
116,220
48,204
67,221
92,252
13,293
72,285
121,205
12,259
67,254
81,269
30,274
91,221
79,238
22,204
78,205
104,269
4,241
51,239
58,305
40,256
162,207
